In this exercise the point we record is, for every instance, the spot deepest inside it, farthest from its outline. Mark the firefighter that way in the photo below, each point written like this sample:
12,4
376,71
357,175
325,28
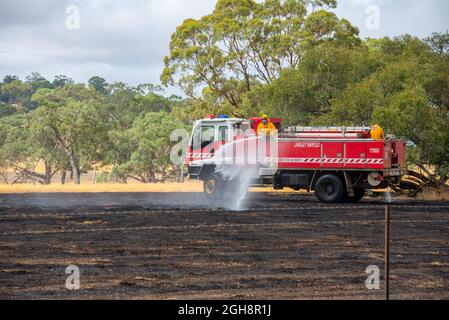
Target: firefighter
377,133
266,127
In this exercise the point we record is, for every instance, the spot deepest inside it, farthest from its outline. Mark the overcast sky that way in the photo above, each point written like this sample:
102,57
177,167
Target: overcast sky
127,40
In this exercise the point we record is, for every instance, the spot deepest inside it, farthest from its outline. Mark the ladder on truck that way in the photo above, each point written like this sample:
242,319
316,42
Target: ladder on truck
328,132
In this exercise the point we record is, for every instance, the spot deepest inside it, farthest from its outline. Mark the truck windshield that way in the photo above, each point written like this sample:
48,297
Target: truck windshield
207,135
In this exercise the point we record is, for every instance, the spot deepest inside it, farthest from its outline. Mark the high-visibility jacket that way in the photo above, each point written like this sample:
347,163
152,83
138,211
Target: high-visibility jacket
266,129
377,133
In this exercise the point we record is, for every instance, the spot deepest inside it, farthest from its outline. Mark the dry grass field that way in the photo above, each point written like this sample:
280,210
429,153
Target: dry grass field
101,187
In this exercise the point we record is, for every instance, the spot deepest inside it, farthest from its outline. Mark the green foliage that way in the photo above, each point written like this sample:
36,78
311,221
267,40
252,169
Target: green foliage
6,110
149,146
125,105
61,81
105,177
302,95
98,84
16,94
245,43
37,81
355,106
72,120
13,139
10,78
21,149
439,42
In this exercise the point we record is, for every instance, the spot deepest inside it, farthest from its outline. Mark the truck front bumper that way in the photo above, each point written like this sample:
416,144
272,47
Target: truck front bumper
194,172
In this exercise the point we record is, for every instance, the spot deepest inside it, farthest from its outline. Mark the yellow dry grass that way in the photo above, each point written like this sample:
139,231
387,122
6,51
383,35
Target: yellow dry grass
435,194
102,187
189,186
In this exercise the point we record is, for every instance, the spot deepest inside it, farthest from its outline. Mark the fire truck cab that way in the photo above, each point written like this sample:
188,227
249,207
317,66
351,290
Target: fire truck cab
338,163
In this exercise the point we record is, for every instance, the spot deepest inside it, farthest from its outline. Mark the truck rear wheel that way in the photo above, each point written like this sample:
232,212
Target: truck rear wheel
329,189
213,187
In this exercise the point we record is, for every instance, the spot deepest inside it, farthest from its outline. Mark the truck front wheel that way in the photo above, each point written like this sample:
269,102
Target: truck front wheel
213,187
329,189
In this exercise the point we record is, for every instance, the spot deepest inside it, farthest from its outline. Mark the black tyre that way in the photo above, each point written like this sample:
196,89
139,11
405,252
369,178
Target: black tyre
329,189
213,187
358,196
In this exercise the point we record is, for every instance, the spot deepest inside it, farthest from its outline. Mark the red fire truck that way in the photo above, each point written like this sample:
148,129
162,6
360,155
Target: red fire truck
338,163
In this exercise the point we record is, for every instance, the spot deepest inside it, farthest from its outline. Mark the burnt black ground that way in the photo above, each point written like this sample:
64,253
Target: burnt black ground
172,245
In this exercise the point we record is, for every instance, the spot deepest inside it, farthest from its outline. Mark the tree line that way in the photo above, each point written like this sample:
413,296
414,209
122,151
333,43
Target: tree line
72,128
293,59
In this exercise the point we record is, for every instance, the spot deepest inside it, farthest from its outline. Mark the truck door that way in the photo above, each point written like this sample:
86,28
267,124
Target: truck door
355,155
332,155
208,143
203,140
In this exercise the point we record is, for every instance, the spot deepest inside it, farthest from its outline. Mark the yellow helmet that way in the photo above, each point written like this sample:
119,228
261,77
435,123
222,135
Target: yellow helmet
265,116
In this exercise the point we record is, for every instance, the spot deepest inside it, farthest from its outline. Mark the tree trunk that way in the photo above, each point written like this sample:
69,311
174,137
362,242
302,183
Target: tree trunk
180,175
76,172
94,176
76,175
63,176
48,173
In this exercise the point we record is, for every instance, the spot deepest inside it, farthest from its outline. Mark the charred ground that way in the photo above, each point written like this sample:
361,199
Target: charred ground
165,246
